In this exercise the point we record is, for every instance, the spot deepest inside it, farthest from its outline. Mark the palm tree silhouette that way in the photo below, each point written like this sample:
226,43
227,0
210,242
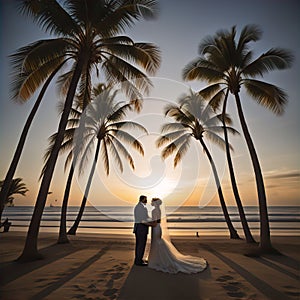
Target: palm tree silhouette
194,118
103,110
16,187
67,145
22,88
227,63
88,41
103,120
215,103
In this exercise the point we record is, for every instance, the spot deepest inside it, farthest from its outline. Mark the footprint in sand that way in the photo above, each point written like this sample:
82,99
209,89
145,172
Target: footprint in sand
111,293
110,283
41,279
78,287
232,287
224,278
113,274
79,296
117,275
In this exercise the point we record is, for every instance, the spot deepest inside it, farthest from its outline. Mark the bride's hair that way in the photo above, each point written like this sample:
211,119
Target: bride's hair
156,201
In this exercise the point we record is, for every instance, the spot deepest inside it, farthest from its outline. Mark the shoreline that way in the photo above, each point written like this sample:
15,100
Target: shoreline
185,221
100,266
173,231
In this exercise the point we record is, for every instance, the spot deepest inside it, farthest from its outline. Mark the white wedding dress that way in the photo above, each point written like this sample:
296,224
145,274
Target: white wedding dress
163,255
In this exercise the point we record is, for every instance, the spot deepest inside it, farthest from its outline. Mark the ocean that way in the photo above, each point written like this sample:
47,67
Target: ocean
185,220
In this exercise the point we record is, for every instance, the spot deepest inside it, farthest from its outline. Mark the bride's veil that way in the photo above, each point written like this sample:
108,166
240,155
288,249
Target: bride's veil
164,223
160,214
166,236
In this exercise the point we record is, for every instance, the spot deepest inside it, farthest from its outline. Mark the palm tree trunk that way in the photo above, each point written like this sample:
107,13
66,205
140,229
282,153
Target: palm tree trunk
62,237
17,155
232,230
247,232
265,240
73,229
30,251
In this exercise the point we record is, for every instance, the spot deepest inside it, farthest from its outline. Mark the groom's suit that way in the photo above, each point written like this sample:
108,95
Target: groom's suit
141,231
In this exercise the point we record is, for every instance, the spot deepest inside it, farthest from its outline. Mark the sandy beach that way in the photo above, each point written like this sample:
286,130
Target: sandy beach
97,266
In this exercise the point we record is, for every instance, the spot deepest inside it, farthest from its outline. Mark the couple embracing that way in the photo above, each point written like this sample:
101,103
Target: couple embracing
163,255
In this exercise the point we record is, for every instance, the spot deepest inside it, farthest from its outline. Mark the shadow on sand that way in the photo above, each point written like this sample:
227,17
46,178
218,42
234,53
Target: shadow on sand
145,283
61,281
260,285
14,270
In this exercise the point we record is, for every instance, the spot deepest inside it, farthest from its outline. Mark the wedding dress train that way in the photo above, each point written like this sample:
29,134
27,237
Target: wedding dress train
163,255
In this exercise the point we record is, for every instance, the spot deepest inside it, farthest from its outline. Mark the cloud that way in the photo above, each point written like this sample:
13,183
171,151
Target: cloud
289,175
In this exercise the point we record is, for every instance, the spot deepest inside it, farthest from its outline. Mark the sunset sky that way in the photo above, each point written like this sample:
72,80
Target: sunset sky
178,30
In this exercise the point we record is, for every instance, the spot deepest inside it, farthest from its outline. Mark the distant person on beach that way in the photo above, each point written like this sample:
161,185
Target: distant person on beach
141,225
6,224
163,255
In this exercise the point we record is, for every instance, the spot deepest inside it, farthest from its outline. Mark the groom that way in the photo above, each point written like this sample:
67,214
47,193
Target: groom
141,224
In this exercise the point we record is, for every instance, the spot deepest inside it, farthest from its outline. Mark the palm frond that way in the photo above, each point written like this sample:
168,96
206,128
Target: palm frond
137,104
123,14
181,152
115,40
114,152
226,117
87,12
176,144
84,89
209,91
202,69
169,137
145,55
148,56
215,101
178,114
267,95
16,187
274,59
64,81
69,160
216,139
50,16
130,125
24,84
128,138
248,34
85,154
133,81
119,114
169,150
120,147
171,127
105,157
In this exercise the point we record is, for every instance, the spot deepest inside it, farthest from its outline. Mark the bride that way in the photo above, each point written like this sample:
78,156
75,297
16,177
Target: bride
163,255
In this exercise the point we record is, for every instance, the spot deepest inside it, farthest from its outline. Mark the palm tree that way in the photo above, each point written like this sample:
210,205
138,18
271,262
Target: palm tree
215,102
74,122
88,38
103,123
22,91
67,144
227,63
194,119
16,187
